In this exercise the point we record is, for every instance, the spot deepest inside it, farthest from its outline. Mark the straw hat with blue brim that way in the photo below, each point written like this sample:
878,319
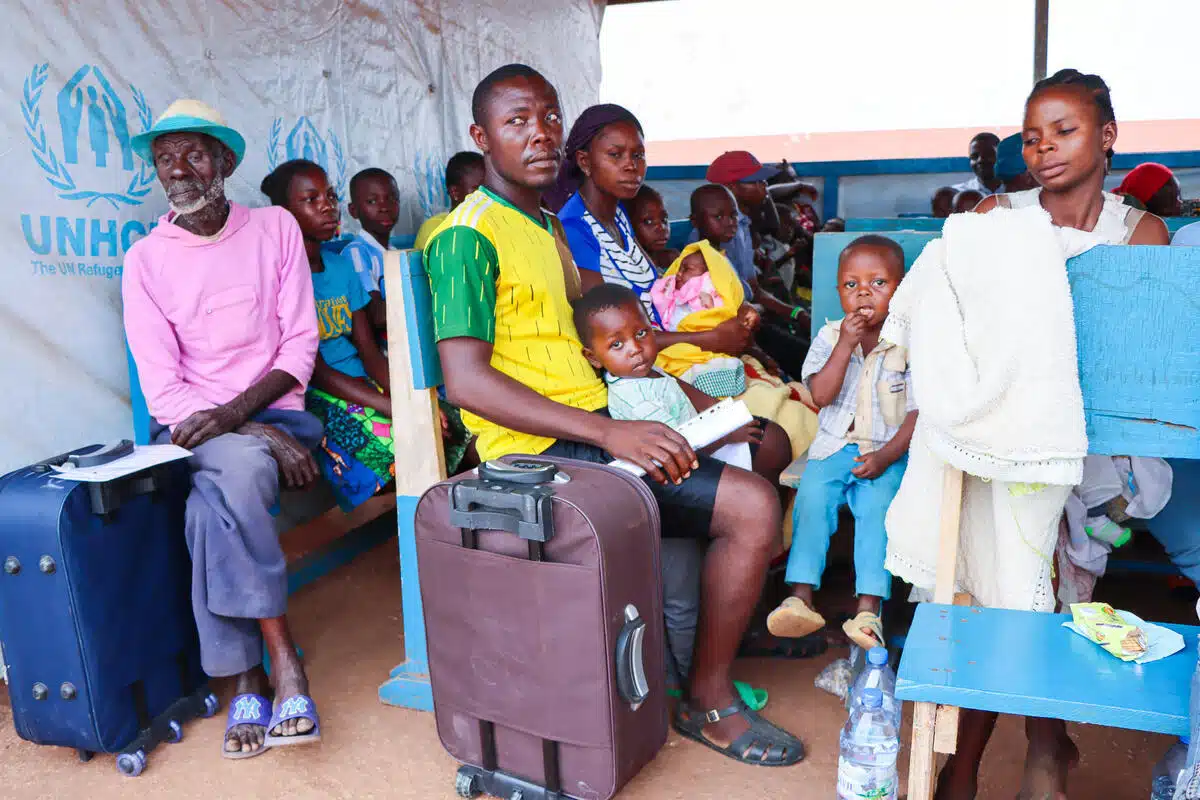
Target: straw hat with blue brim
190,116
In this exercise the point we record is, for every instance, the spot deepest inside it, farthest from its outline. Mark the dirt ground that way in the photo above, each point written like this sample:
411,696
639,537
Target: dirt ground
349,626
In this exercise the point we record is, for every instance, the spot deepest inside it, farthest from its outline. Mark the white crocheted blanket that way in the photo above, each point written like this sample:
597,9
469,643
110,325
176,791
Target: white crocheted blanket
987,318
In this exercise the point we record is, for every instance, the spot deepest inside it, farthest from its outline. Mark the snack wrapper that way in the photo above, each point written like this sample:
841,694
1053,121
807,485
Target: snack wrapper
1104,626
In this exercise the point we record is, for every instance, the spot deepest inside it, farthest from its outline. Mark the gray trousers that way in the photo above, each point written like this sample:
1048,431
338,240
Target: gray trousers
239,572
682,562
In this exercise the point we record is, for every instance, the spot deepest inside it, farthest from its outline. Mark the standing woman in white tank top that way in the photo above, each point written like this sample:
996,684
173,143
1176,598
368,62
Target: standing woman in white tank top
1069,130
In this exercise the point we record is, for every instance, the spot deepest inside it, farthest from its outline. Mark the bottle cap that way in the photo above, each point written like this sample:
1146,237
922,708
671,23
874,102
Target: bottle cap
872,698
877,656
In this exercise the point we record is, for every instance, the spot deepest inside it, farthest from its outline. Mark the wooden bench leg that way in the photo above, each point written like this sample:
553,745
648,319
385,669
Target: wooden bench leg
935,728
945,732
921,761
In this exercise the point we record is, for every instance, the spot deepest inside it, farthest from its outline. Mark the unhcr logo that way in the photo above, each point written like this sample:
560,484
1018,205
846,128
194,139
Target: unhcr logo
305,141
93,137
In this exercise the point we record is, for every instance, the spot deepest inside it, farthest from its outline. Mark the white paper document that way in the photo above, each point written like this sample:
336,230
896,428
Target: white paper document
705,428
142,457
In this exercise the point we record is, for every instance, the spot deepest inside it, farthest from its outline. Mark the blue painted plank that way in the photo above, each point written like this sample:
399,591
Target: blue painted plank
964,657
1138,336
920,223
408,683
418,311
137,400
826,249
339,552
681,231
1187,159
882,224
1139,348
831,191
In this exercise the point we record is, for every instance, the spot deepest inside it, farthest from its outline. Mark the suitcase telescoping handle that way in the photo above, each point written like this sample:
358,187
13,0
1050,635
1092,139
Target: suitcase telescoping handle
107,497
483,505
106,453
631,664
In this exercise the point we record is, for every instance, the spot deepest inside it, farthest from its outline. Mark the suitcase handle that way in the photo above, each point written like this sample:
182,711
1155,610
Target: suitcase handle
631,664
525,471
103,455
523,510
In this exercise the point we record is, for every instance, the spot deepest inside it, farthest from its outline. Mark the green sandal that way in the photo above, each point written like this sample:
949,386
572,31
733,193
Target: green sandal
764,744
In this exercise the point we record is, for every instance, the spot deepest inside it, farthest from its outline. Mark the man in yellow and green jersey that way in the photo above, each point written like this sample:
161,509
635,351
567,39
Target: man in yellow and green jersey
513,362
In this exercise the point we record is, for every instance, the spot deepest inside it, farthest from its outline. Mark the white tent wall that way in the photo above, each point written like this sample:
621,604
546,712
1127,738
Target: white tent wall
347,83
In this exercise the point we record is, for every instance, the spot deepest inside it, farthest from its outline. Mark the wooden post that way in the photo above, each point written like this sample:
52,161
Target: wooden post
1041,36
935,728
951,513
420,463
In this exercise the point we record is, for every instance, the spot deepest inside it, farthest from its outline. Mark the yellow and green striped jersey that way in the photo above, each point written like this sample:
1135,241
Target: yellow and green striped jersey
495,274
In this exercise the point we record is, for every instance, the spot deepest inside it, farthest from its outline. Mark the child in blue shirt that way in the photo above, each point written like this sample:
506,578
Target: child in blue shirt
349,387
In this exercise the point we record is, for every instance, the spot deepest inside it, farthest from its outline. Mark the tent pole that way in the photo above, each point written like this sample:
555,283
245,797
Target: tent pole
1041,28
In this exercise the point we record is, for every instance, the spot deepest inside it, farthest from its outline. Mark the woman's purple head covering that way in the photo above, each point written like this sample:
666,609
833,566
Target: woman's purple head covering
590,123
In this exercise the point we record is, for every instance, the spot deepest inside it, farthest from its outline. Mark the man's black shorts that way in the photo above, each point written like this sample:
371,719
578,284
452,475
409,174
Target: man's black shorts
686,510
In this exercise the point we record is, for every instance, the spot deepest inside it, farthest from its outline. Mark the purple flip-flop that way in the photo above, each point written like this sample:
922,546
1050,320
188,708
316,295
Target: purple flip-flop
247,709
298,706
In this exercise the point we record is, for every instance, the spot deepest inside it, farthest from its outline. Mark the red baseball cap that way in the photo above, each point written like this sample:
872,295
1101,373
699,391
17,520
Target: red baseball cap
739,166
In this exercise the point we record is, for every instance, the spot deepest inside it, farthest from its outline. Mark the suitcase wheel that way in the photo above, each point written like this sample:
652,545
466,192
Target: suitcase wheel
84,755
131,764
466,783
176,734
211,704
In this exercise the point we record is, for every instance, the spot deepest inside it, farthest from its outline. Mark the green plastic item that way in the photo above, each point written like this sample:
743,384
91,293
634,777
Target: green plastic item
755,699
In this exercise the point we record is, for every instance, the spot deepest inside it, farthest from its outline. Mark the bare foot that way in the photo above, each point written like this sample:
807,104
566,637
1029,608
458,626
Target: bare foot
244,737
957,781
1046,768
288,676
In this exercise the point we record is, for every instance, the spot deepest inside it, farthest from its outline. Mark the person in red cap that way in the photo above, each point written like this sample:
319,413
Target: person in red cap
1156,187
746,177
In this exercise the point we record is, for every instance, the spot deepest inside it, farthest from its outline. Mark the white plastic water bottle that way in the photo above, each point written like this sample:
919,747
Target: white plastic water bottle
870,744
1187,787
1167,772
877,674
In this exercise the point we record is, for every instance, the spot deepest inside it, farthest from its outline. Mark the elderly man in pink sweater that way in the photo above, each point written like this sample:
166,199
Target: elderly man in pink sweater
220,319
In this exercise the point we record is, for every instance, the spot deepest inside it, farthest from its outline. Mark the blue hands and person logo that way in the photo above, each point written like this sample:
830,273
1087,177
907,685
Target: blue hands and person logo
305,141
94,137
430,174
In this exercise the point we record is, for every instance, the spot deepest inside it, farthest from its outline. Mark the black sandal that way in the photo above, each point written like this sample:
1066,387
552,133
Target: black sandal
764,744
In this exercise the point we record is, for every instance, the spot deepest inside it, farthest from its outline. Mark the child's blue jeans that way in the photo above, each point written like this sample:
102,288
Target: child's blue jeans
826,485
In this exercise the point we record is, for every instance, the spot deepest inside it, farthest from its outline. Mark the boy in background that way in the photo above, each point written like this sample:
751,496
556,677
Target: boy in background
966,201
464,174
375,203
651,226
942,204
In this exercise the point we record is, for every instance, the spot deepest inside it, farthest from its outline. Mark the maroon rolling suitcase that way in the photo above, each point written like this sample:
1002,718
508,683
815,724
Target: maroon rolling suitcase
542,594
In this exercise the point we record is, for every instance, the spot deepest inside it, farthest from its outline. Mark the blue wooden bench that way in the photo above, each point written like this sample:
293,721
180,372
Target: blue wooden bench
1138,336
415,375
318,535
1071,678
927,224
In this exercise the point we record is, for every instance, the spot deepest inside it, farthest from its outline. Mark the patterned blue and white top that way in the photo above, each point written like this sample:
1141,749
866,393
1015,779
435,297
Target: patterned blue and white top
595,249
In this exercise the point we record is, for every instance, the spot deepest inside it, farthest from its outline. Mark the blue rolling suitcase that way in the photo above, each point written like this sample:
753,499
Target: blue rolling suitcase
95,611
